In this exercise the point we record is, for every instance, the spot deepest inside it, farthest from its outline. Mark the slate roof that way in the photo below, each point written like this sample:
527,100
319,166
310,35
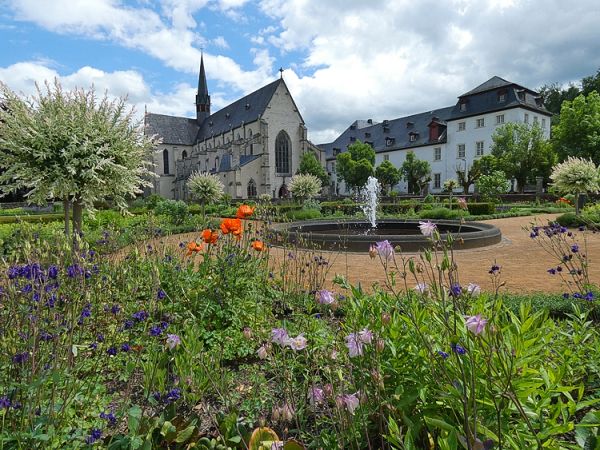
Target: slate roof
246,109
225,162
392,134
493,83
172,129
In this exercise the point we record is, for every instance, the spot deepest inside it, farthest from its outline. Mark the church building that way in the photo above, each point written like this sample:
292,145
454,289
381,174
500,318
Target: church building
253,145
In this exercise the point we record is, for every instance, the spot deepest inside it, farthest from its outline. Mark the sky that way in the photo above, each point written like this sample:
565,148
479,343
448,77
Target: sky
343,59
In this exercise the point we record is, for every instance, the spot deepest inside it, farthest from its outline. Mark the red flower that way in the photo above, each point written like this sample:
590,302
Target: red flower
259,246
193,247
209,236
233,226
244,211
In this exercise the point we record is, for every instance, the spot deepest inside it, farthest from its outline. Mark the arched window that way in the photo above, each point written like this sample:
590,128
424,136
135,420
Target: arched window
183,154
282,153
283,191
166,161
206,165
251,189
216,163
249,132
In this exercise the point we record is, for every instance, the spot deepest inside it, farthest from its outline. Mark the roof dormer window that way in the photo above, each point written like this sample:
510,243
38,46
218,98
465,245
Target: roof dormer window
389,141
410,124
463,105
412,137
502,96
367,135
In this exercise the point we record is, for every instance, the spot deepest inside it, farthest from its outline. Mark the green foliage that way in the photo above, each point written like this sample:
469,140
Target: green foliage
576,176
303,214
441,213
578,133
205,187
481,208
176,210
305,186
570,219
355,165
310,165
388,175
491,186
522,152
415,172
71,146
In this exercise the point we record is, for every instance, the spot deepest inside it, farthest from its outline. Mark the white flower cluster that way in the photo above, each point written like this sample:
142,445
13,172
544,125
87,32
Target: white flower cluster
576,175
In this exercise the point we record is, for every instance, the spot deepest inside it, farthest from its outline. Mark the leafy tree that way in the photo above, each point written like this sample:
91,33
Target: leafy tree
576,176
482,166
492,185
388,175
591,83
72,146
310,165
578,132
355,166
305,186
522,152
205,188
553,96
416,172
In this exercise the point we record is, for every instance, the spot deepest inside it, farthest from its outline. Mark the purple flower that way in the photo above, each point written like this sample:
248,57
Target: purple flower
458,349
551,271
476,324
161,294
325,297
365,336
427,228
473,290
52,272
494,269
279,336
173,341
455,290
315,395
155,331
349,401
110,417
565,295
574,248
128,324
115,309
462,203
125,347
95,434
421,288
173,395
385,250
589,296
443,354
20,358
4,402
112,351
140,316
354,344
298,343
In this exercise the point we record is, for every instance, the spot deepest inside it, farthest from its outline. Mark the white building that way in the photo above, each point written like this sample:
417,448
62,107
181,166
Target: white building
253,145
449,138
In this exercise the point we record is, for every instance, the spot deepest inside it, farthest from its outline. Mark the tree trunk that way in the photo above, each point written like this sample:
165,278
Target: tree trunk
77,222
67,211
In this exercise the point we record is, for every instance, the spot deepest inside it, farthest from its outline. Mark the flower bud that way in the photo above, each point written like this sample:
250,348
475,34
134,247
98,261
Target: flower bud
262,352
247,332
385,318
379,345
328,390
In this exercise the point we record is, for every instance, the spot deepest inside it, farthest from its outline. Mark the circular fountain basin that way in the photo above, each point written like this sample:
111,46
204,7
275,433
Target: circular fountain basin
357,235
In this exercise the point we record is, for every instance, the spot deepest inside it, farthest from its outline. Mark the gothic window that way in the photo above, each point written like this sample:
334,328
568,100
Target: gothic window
183,154
251,189
166,161
206,165
249,132
282,153
216,163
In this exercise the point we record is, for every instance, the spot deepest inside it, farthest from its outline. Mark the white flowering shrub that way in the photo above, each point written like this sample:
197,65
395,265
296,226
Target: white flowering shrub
205,187
575,176
450,184
305,186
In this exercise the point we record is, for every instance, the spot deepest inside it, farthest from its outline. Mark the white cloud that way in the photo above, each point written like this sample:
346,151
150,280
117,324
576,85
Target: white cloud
220,42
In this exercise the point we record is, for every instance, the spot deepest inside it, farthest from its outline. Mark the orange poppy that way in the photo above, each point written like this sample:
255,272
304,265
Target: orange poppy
233,226
244,211
259,246
193,247
209,236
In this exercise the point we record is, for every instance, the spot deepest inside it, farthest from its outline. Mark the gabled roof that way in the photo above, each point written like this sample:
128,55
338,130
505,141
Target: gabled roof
171,129
493,83
246,109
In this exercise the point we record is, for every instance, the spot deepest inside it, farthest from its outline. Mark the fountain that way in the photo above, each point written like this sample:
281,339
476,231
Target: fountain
358,235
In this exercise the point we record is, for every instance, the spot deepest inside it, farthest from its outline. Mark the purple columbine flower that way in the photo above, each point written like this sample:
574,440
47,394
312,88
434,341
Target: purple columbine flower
140,316
112,351
427,228
455,290
551,271
421,288
355,345
350,401
443,354
173,341
125,347
574,248
494,269
279,336
315,395
155,331
4,402
298,343
161,294
52,272
95,434
385,249
365,336
473,290
325,297
20,358
173,395
109,417
458,349
476,324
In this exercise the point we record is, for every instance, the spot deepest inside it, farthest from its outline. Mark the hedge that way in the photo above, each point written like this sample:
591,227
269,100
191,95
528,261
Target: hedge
481,208
37,218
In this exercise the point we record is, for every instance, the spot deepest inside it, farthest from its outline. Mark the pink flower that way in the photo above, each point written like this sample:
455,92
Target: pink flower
316,395
349,401
354,344
473,289
262,352
325,297
297,343
427,228
365,336
476,324
279,336
462,202
384,249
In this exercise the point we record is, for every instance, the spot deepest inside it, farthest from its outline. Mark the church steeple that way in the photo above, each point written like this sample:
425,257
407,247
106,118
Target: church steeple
202,97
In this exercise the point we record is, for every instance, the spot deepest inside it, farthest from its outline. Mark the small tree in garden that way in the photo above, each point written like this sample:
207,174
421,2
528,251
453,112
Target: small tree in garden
355,166
416,172
305,187
576,176
205,188
309,165
449,185
71,146
388,175
493,185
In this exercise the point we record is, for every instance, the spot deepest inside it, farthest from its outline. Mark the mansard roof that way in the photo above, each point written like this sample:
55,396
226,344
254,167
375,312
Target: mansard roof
246,109
493,83
392,134
172,130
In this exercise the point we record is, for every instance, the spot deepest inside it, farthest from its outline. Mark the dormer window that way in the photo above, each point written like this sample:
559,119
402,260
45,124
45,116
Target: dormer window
410,124
463,105
521,95
367,135
501,96
247,105
389,141
386,129
336,151
352,138
412,137
227,115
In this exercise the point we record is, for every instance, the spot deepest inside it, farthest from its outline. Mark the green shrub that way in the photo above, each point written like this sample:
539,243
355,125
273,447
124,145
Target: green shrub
303,214
175,210
37,218
570,219
481,208
441,213
429,199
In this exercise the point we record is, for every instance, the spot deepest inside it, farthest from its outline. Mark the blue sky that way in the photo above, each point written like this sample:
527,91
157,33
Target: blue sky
343,59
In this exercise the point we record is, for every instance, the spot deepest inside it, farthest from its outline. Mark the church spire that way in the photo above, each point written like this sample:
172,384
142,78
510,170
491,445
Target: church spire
202,97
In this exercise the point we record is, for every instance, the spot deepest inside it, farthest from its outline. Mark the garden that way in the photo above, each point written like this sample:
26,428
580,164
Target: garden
150,323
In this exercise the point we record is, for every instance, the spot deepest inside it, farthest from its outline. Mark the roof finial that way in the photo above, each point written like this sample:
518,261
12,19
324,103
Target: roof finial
281,72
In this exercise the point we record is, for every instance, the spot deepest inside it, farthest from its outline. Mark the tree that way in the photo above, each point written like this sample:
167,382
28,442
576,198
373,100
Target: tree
492,185
522,152
578,132
355,166
305,186
553,96
591,83
482,166
416,172
310,165
206,188
74,147
388,175
576,176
